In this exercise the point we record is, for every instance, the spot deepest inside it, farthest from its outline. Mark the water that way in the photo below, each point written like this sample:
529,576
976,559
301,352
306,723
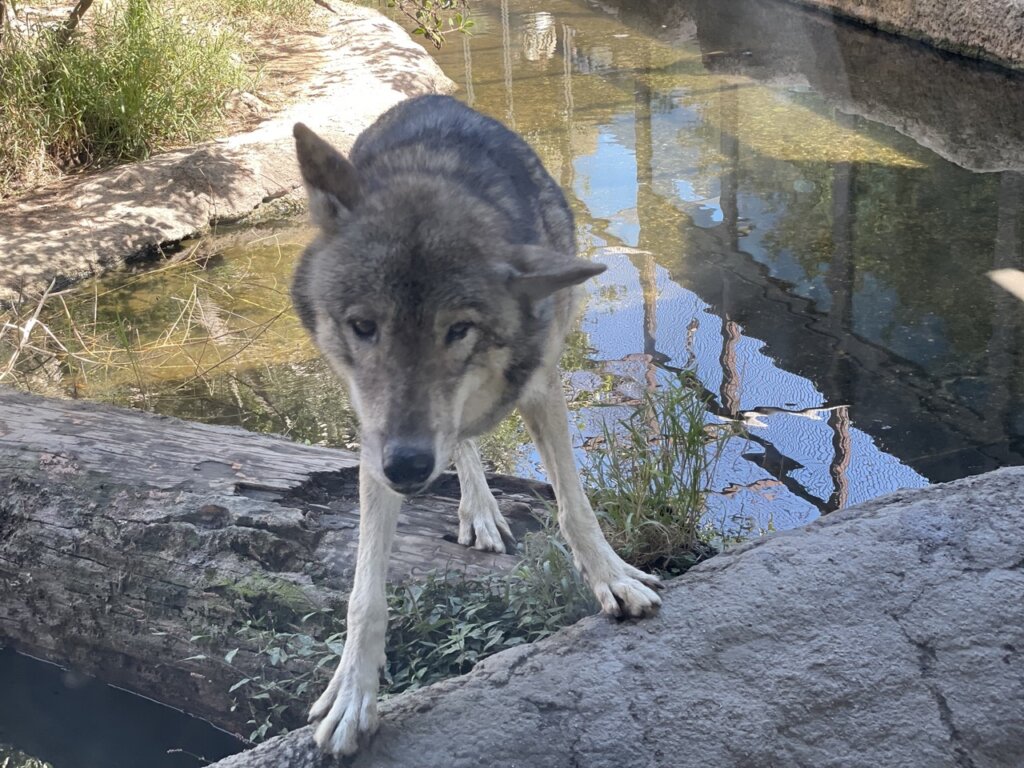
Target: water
733,164
70,721
802,211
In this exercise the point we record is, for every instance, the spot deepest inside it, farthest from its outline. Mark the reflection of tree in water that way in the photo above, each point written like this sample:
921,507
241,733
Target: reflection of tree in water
660,228
539,35
928,236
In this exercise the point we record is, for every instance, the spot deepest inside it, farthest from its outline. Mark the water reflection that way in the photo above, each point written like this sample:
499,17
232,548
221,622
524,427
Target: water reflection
802,211
72,721
775,196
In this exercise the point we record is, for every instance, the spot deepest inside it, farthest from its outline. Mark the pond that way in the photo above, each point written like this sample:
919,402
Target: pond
801,212
67,720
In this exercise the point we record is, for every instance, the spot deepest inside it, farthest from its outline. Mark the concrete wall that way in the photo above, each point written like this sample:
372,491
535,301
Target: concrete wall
992,30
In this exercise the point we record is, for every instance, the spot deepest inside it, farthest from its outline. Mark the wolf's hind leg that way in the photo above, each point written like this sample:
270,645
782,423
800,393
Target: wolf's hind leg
481,524
621,589
347,710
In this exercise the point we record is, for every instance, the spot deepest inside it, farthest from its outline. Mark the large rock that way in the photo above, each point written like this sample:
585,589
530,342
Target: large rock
365,64
986,29
890,634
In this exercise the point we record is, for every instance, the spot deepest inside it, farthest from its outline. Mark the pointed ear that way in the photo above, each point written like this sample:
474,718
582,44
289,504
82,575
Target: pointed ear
331,180
541,272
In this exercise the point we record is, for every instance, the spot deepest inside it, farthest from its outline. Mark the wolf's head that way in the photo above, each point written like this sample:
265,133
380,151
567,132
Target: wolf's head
433,319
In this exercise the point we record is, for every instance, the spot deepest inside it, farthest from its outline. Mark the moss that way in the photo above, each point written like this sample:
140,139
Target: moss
276,602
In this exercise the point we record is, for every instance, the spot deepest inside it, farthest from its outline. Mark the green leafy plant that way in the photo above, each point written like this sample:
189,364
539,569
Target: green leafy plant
649,476
440,626
434,18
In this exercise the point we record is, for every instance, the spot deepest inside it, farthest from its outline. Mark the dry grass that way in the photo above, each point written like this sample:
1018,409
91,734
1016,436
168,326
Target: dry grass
136,77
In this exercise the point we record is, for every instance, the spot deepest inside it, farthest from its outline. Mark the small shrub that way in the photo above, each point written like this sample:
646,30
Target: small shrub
650,475
440,626
444,625
434,18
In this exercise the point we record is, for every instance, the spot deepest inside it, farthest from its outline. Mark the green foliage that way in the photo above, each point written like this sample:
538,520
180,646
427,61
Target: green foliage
145,77
268,602
443,626
650,475
434,18
440,626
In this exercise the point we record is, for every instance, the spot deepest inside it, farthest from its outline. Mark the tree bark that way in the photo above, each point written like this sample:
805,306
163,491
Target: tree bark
123,535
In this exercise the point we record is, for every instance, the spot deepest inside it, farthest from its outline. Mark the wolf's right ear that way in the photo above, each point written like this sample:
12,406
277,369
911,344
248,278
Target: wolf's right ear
331,180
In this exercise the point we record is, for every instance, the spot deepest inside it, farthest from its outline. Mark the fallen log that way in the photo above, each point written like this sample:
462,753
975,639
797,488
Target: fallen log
890,634
131,545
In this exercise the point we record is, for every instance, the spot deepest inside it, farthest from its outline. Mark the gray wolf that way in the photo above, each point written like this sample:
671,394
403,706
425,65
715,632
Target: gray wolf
440,288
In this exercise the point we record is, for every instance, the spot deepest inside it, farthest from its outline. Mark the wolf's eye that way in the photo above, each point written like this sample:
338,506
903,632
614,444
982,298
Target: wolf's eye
364,329
456,332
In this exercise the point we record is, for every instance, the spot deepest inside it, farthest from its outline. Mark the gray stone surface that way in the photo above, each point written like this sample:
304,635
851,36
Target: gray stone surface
992,30
367,63
890,634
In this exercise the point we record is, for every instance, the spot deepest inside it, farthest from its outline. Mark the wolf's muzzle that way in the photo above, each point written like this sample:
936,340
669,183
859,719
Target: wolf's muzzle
407,466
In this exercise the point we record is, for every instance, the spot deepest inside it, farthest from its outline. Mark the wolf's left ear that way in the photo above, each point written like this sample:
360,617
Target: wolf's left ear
331,180
542,272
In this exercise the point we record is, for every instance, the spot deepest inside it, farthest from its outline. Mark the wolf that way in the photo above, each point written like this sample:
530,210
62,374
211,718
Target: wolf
440,288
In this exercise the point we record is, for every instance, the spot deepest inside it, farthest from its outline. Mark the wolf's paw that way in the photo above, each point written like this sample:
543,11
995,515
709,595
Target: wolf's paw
624,591
481,524
347,713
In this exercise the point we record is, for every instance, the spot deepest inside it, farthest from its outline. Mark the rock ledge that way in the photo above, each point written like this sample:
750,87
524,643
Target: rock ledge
888,634
79,229
992,30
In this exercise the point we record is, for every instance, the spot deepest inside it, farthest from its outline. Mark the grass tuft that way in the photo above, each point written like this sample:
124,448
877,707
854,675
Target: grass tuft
649,478
144,76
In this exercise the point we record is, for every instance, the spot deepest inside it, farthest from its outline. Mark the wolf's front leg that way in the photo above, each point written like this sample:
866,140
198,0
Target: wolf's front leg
621,589
481,524
347,710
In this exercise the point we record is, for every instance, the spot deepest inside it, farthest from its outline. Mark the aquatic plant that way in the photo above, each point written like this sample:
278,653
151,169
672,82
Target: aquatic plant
649,476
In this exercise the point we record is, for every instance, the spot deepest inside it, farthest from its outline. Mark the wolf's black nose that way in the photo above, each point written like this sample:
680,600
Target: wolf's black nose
407,466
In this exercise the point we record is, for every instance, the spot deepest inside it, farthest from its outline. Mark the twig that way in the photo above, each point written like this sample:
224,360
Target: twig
26,331
71,24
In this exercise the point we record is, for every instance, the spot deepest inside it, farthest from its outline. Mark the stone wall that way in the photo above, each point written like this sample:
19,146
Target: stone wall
992,30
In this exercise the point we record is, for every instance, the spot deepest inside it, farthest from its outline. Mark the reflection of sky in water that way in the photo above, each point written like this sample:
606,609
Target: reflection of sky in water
599,183
615,329
604,181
